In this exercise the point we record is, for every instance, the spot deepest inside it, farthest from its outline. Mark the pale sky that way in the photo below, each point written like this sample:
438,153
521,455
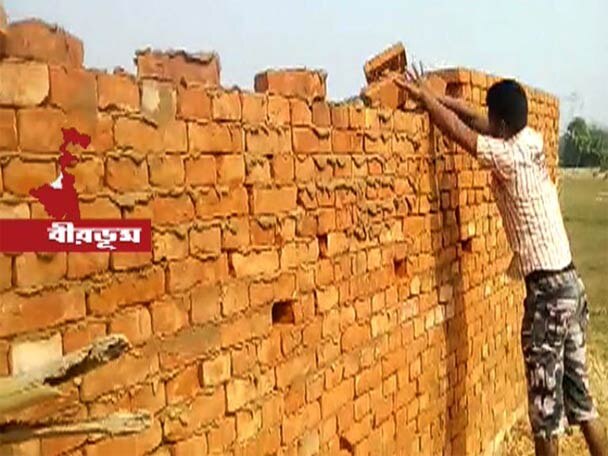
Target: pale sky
560,46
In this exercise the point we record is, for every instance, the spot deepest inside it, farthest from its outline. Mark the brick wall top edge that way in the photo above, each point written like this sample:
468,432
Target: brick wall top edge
200,56
468,71
35,39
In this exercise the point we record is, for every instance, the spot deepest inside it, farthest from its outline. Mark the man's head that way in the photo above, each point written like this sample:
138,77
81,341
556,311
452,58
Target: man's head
507,108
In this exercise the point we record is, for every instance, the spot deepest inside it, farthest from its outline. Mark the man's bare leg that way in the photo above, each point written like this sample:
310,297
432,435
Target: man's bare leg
596,437
546,447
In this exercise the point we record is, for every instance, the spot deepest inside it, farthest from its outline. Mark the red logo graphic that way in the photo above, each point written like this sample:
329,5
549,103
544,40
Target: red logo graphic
69,233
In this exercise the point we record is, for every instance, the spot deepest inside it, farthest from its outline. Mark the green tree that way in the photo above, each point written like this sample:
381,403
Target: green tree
584,145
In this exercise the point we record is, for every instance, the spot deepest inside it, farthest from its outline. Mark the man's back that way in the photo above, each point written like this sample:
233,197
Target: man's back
527,200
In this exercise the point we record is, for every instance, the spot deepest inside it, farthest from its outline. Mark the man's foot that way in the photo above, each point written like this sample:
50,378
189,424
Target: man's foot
596,437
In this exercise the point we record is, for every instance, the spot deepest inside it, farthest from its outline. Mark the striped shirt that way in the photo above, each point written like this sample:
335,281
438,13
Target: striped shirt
527,200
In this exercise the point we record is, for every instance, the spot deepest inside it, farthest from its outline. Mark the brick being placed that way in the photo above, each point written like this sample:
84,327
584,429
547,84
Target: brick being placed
392,59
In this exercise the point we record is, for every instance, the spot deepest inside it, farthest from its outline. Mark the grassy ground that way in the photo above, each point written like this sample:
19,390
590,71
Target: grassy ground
586,217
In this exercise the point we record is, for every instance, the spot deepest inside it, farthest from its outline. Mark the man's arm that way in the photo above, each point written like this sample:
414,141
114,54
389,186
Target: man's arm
448,122
467,114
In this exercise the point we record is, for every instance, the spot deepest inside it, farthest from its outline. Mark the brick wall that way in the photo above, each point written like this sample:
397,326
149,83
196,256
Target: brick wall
325,278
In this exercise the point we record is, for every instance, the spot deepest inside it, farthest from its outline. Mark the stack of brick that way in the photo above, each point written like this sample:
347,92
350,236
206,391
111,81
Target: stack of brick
325,279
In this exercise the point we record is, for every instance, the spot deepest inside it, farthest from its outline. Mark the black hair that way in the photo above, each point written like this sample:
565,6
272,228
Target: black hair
507,102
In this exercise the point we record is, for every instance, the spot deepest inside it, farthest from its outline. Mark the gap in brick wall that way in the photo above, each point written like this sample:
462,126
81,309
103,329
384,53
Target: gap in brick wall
322,239
345,445
283,313
400,267
467,245
452,89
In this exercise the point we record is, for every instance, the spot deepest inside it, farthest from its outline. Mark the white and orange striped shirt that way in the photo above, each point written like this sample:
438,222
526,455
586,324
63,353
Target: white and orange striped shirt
527,200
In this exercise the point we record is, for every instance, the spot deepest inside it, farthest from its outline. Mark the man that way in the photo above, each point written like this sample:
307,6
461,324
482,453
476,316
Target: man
556,316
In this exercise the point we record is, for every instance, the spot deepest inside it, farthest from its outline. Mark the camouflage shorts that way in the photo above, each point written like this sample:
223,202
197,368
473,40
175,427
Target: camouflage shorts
554,343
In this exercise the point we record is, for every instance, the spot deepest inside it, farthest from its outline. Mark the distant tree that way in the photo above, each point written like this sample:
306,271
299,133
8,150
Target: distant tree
584,145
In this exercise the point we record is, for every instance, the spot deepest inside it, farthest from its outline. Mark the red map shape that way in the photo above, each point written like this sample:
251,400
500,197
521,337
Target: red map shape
62,203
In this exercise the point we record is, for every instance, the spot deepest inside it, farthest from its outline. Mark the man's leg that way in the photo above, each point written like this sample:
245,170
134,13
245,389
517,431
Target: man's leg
542,340
577,396
596,437
546,447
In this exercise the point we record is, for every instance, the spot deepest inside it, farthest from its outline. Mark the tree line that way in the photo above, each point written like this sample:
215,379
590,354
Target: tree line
583,145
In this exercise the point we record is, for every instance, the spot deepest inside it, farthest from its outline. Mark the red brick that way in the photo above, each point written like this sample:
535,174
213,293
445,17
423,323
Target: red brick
117,91
391,59
254,107
332,400
124,174
193,103
158,102
89,175
244,359
235,298
179,66
271,201
23,84
384,93
255,263
81,265
73,89
355,336
5,272
183,386
19,177
36,40
245,328
169,315
294,368
301,113
170,245
8,130
267,140
222,437
233,202
128,288
99,126
122,261
216,371
136,134
339,115
215,138
308,140
279,112
205,303
40,129
309,85
437,83
47,309
230,169
201,170
205,240
166,170
171,210
235,234
124,371
196,445
135,324
283,170
321,115
248,424
99,208
226,105
203,410
77,337
184,274
34,269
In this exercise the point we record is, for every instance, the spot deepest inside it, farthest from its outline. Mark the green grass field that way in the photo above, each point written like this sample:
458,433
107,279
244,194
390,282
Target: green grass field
586,220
